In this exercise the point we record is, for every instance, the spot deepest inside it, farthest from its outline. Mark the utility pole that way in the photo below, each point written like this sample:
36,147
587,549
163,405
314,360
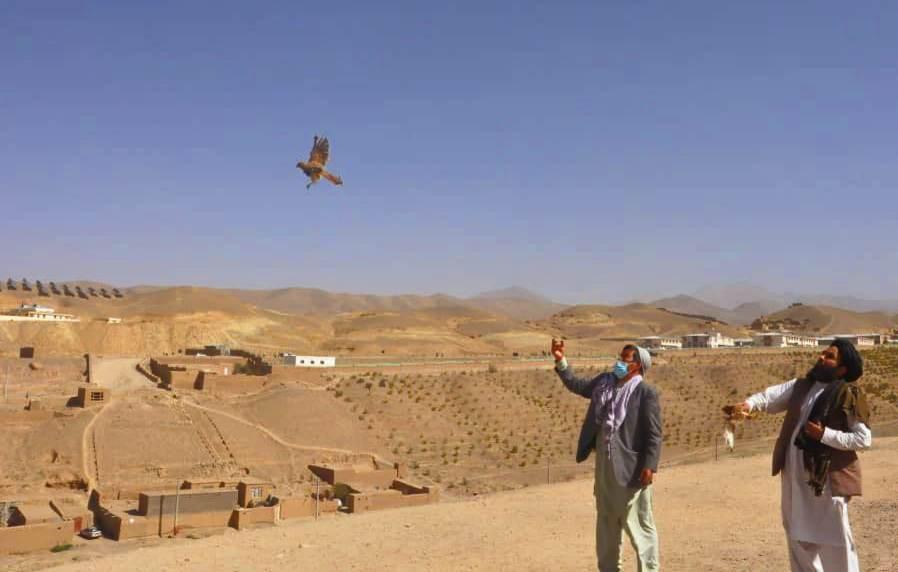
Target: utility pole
317,494
177,503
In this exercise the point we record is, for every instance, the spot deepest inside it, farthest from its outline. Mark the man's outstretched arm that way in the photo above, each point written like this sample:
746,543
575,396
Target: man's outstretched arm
582,386
774,399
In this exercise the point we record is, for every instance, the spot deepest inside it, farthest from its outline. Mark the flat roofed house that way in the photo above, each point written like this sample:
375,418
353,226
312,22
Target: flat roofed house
783,340
35,312
660,342
708,340
859,340
90,396
253,493
309,361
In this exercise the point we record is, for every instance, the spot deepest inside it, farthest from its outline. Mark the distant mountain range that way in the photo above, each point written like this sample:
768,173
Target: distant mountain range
164,319
732,296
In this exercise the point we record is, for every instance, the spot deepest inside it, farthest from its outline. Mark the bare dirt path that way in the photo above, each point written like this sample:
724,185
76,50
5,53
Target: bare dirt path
712,517
273,436
88,453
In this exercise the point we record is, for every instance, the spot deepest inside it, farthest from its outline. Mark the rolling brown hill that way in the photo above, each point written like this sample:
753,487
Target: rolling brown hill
167,319
631,321
741,315
516,302
315,301
826,320
164,320
156,321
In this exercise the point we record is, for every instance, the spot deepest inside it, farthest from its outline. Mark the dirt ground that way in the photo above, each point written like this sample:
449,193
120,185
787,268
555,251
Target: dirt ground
712,516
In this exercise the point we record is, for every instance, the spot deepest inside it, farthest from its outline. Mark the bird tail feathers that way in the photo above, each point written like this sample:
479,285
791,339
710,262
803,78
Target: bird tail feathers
332,178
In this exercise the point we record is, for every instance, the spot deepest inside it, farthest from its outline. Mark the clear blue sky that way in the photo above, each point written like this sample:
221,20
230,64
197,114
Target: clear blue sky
592,151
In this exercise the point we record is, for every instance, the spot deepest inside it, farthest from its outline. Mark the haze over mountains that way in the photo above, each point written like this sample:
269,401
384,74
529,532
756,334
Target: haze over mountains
733,295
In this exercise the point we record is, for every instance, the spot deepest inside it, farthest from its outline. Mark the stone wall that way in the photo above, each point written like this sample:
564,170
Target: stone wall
296,507
44,536
145,371
243,517
402,494
375,478
188,501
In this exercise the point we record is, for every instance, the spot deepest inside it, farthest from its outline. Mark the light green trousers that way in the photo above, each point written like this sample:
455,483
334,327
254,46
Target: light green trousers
623,509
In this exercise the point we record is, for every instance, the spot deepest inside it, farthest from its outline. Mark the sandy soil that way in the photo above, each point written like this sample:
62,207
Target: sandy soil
118,374
713,516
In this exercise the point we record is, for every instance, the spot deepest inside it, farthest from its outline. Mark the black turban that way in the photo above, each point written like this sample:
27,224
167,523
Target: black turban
850,358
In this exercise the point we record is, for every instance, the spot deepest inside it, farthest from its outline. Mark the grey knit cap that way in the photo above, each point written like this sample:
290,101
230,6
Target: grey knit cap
645,358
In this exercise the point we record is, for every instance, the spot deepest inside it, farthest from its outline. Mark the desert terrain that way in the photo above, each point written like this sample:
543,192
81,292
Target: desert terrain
712,516
462,429
461,392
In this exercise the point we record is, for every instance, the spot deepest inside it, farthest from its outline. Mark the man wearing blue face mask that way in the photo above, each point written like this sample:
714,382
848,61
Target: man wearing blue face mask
623,425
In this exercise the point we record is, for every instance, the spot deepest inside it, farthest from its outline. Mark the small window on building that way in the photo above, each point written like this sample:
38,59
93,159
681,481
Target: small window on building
302,361
255,492
96,396
322,362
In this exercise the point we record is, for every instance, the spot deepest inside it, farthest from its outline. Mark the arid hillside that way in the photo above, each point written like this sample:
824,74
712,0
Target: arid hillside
155,320
471,429
631,321
689,305
516,303
820,320
478,430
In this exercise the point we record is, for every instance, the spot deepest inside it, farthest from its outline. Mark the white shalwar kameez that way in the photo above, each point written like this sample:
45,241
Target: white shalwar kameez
817,528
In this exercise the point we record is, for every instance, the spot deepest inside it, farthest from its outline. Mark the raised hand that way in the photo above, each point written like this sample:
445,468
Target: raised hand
736,411
557,349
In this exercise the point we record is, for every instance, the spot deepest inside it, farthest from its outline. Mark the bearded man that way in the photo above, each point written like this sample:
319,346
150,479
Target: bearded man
826,422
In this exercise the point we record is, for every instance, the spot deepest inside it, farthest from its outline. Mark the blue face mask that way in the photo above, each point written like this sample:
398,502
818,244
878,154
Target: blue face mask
621,369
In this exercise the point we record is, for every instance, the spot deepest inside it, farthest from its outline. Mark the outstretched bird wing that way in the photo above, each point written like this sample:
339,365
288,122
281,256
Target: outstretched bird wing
320,151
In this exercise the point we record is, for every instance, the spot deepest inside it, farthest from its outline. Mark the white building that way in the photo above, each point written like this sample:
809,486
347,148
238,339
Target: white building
36,313
783,340
711,340
859,340
660,342
309,361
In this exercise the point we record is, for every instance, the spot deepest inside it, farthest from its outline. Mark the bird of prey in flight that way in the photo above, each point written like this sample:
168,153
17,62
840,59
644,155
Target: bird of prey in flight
314,167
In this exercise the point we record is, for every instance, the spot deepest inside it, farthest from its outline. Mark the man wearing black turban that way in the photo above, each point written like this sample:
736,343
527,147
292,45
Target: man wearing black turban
827,421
